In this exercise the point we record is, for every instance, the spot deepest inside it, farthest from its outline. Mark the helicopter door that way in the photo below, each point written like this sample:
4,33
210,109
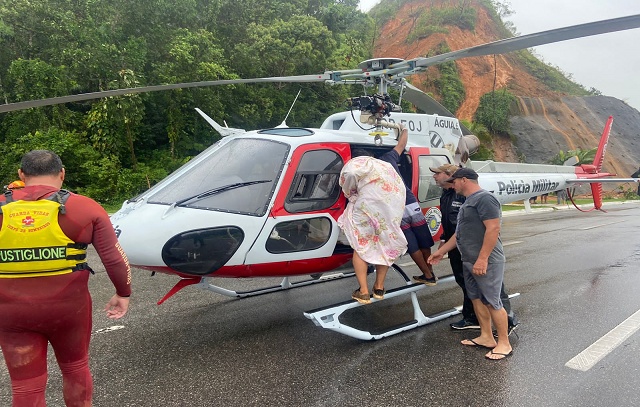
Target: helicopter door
424,185
302,222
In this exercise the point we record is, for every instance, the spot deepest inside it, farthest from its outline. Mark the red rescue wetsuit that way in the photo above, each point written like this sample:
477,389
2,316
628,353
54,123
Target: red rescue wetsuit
57,309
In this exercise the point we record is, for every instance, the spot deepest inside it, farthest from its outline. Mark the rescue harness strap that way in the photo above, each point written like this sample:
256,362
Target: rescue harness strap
40,253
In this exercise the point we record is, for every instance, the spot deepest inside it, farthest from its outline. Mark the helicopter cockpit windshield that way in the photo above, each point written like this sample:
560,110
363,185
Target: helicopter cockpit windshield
238,177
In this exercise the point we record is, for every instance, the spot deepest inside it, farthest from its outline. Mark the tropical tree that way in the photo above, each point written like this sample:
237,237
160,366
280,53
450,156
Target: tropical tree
114,121
582,156
51,48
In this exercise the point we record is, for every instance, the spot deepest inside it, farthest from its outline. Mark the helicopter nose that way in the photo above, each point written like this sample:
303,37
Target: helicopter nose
203,251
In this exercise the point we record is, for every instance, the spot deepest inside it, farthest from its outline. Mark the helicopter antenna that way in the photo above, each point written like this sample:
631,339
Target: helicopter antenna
284,122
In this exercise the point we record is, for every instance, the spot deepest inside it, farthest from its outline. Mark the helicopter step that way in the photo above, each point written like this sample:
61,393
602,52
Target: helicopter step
329,317
285,284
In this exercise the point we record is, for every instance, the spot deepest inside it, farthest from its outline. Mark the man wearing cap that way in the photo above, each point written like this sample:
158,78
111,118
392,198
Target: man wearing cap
450,203
477,237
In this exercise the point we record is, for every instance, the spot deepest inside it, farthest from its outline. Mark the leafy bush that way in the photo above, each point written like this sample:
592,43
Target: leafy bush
113,184
583,156
629,193
102,177
493,111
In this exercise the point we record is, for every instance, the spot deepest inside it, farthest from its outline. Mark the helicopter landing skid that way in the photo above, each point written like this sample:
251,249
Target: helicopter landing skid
329,317
285,284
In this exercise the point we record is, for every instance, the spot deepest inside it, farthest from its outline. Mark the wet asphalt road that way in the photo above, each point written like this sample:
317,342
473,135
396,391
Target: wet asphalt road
578,278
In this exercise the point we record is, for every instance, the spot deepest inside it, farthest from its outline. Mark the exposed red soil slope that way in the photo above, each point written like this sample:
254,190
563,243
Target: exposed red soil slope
477,74
545,122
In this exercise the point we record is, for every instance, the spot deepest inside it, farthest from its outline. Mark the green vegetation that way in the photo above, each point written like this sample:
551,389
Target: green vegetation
493,111
116,147
384,11
629,193
483,134
583,156
497,11
552,76
435,19
448,83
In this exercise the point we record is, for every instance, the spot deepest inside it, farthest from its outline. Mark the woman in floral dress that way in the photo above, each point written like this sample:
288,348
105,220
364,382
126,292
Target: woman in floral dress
371,220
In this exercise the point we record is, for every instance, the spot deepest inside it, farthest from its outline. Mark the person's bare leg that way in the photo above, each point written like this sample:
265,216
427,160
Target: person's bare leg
381,273
484,318
500,320
420,258
360,268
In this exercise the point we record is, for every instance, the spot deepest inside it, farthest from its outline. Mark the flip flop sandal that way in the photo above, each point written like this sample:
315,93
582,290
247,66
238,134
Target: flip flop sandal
504,355
475,344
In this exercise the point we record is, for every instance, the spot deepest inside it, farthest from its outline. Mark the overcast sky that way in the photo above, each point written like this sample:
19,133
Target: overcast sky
608,62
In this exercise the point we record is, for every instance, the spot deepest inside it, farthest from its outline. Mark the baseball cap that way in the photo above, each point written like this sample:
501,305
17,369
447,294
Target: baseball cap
467,173
446,168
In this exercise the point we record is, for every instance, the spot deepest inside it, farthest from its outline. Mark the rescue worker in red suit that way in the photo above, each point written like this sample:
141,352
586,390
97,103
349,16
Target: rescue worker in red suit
44,295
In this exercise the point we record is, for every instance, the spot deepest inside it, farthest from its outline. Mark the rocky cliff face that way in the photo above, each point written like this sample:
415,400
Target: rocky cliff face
544,122
543,126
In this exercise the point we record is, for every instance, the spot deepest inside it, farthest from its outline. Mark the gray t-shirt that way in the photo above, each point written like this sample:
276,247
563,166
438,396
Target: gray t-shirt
478,207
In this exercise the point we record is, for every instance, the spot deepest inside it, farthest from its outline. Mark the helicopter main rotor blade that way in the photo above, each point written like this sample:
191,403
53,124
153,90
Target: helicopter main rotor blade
327,76
527,41
428,104
394,72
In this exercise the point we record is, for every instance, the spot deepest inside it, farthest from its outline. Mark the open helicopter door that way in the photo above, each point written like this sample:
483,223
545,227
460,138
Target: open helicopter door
301,231
420,178
424,185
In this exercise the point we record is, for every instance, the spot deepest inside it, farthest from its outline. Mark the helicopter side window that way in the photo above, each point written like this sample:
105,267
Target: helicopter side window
299,235
427,188
315,185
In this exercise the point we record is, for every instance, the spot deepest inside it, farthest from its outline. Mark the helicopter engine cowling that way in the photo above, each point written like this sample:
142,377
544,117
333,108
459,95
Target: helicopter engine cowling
467,146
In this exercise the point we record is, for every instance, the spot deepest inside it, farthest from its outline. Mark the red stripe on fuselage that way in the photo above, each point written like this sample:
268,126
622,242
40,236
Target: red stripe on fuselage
276,269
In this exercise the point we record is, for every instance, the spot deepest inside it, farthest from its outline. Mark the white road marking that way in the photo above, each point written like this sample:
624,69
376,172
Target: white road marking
599,226
586,359
109,329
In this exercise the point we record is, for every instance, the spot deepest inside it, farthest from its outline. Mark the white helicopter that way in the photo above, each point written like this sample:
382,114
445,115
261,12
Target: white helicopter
264,203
